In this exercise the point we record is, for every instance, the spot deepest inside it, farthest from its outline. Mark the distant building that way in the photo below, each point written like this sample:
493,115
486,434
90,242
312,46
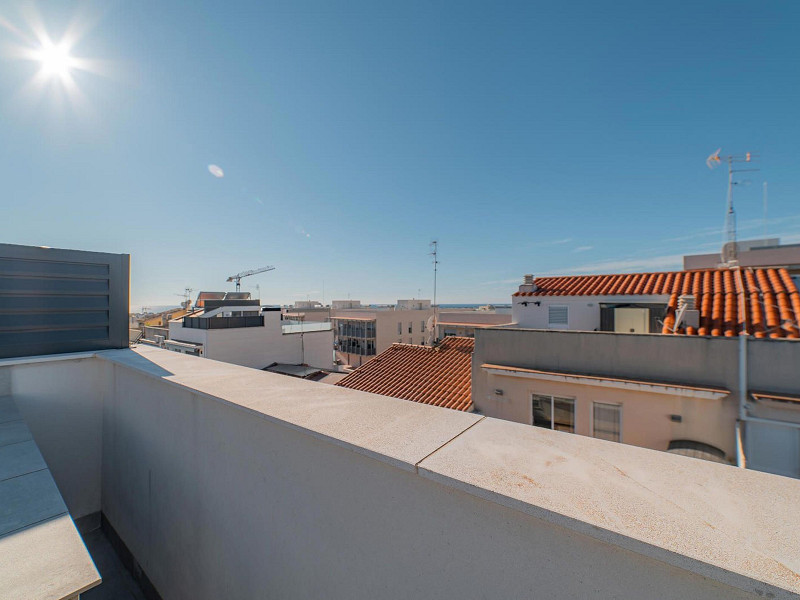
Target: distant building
360,334
438,375
244,333
464,323
301,304
716,302
753,253
341,304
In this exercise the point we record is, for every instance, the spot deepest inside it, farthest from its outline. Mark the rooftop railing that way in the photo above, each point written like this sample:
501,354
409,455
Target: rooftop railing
223,322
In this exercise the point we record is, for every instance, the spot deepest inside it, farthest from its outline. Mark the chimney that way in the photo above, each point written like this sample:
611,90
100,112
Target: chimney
687,314
528,285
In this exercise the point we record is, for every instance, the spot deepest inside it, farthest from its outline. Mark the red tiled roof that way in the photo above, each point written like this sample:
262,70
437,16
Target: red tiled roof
765,301
441,375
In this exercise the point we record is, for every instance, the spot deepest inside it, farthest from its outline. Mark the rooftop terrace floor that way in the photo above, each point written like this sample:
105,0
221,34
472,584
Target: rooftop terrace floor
118,584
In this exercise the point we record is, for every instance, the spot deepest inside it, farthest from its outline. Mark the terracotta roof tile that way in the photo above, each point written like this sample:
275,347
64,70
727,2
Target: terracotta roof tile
765,301
441,375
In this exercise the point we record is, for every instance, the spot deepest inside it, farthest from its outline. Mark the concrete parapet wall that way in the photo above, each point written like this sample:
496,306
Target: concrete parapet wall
229,482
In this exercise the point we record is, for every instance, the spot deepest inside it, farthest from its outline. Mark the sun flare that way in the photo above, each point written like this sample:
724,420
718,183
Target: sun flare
55,60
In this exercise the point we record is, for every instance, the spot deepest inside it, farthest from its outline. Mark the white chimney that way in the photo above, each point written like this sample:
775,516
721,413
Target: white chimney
528,284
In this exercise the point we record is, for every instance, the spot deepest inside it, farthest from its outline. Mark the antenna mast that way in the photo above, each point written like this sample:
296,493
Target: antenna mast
435,254
729,249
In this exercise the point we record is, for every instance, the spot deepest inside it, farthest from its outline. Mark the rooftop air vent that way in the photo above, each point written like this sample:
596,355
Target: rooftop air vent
687,314
528,284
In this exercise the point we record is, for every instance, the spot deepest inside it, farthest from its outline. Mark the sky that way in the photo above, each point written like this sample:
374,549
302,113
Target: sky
336,140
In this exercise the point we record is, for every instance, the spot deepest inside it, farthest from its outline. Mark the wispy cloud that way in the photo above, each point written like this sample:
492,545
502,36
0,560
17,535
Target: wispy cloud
502,281
742,226
583,248
545,243
623,265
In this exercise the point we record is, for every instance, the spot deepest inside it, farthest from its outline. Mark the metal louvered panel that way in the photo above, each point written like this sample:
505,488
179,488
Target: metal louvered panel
54,301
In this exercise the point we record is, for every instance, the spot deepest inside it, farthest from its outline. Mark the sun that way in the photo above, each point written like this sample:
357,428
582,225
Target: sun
55,60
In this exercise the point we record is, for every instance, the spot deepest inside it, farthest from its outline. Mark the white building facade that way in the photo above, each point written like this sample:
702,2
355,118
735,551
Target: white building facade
253,337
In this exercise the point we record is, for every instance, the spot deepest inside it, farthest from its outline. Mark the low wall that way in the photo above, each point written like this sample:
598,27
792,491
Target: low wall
228,482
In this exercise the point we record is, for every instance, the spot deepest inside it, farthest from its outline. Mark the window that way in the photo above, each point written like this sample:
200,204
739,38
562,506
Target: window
606,421
557,316
410,323
399,328
552,412
422,326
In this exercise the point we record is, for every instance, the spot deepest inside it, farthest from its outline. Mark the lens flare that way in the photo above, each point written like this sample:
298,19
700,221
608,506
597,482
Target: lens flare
55,60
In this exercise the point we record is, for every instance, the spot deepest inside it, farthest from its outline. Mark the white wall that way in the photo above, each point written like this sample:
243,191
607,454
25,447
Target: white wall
584,311
258,347
263,491
62,403
215,502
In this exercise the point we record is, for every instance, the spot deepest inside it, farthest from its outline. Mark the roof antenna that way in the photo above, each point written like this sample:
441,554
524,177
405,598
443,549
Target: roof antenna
765,211
729,250
435,253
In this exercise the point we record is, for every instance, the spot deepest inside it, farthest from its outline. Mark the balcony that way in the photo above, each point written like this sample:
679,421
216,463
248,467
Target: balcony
219,481
223,322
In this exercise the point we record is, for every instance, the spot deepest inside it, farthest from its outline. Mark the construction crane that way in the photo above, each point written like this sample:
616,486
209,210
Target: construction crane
238,277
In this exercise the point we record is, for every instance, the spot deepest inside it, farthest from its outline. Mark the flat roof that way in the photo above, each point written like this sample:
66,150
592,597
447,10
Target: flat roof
655,386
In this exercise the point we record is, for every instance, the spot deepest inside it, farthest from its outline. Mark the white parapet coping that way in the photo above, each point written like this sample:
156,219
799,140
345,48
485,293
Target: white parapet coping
672,389
41,554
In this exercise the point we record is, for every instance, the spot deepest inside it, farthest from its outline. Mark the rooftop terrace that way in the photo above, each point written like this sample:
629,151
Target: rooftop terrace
223,481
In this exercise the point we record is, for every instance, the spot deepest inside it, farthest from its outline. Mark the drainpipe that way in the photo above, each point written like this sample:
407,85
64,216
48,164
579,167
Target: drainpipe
741,459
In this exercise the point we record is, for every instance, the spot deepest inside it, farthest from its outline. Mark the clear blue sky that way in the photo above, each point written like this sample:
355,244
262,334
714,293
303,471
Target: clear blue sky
530,137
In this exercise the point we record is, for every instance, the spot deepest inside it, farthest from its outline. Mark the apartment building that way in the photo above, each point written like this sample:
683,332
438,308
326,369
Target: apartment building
767,252
243,332
464,323
693,362
718,301
361,334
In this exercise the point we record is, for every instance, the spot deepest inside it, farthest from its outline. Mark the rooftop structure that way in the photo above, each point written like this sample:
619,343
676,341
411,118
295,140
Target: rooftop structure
720,302
753,253
244,333
438,375
360,334
464,323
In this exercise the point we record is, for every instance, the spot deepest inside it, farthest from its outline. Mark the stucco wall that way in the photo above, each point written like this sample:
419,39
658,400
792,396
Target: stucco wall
222,498
686,360
215,502
645,418
62,403
258,347
584,311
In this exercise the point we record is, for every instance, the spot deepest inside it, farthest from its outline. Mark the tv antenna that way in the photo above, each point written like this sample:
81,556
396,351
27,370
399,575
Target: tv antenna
435,253
729,250
187,297
238,277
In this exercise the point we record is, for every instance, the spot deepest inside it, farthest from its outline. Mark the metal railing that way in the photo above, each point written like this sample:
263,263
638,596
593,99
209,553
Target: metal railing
223,322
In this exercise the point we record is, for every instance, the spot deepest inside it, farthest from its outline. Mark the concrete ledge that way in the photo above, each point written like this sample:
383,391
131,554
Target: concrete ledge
736,527
41,554
398,432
